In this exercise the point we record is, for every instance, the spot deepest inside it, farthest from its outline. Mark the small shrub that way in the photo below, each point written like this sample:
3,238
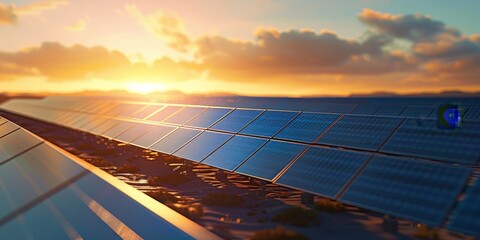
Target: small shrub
163,196
425,232
329,206
171,178
98,162
278,233
85,146
223,199
125,168
103,152
195,210
296,216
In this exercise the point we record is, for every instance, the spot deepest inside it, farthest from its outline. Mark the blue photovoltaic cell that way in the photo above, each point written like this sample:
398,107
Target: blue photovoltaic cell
202,146
164,113
473,113
15,143
366,108
152,136
175,140
136,131
208,117
236,120
31,175
466,216
234,152
390,110
269,123
105,126
146,111
417,111
408,188
184,115
270,159
307,127
323,171
119,129
7,128
422,138
363,132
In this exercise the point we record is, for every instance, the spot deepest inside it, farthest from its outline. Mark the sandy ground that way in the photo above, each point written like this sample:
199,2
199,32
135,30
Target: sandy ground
229,222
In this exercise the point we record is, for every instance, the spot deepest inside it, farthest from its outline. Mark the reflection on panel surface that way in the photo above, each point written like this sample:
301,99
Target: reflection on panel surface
323,171
153,135
208,117
119,129
307,127
422,138
236,120
269,123
136,131
408,188
184,115
202,146
466,216
15,143
173,141
7,128
234,152
164,113
361,132
270,159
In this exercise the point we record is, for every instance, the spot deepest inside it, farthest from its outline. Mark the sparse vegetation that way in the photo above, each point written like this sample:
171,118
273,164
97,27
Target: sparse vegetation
223,199
125,168
85,146
171,178
103,152
424,232
192,211
163,196
328,205
98,162
278,233
296,216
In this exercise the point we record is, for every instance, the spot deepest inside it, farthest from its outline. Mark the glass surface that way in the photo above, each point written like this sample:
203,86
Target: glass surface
269,123
136,131
362,132
105,126
7,128
236,120
184,115
390,110
152,136
202,146
234,152
323,171
473,113
173,141
119,129
366,108
32,174
146,111
466,216
407,188
422,138
307,127
164,113
270,159
341,108
15,143
208,117
417,111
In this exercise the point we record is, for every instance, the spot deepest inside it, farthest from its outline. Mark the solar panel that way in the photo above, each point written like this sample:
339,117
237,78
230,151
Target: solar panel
208,117
323,171
152,136
105,126
236,120
15,143
32,174
136,131
366,108
146,111
7,128
184,115
267,162
341,108
422,138
413,189
390,110
119,129
202,146
362,132
466,216
306,127
473,113
269,123
234,152
164,113
176,139
417,111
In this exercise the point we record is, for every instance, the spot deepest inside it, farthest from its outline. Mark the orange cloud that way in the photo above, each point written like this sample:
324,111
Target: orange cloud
38,7
78,26
7,15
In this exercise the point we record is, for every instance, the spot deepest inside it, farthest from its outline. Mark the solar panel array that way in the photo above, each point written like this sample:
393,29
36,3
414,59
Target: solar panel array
47,194
382,157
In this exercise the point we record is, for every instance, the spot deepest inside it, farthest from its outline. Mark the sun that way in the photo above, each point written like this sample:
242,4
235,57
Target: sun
144,88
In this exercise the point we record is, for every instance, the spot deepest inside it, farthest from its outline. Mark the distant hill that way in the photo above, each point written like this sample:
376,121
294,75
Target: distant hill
453,93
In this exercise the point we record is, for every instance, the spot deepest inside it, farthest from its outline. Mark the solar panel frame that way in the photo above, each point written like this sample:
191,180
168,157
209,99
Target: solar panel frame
7,128
152,136
269,123
202,145
164,113
236,120
16,143
184,115
175,140
208,117
135,132
307,127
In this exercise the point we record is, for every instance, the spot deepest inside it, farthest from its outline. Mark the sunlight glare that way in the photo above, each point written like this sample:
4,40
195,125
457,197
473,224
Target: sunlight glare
144,88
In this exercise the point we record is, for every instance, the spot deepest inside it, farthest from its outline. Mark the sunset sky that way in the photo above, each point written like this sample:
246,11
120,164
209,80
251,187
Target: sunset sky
290,48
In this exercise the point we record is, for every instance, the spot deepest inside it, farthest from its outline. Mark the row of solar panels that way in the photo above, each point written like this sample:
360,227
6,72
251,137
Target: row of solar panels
47,194
413,137
415,189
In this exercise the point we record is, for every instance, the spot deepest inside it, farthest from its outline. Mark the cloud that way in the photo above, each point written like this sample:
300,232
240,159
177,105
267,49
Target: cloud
60,63
7,15
38,7
167,27
78,26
